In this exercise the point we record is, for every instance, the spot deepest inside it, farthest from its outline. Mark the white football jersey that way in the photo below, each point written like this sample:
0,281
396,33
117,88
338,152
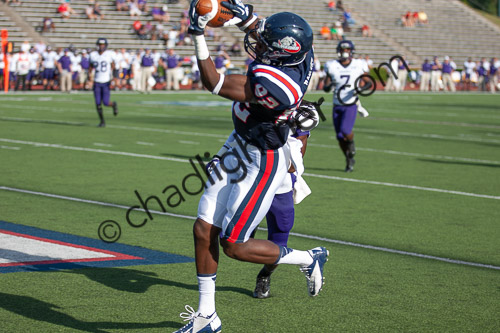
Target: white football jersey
123,60
22,63
49,59
469,67
102,65
34,58
344,79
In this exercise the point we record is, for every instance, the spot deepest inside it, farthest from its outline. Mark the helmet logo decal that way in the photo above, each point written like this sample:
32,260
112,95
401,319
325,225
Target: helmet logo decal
288,44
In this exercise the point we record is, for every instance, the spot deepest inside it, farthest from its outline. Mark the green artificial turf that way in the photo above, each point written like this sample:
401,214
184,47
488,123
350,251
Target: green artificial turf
426,182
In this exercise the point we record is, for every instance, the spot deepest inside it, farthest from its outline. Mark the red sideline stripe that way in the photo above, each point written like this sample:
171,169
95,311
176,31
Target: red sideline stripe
116,255
247,211
283,80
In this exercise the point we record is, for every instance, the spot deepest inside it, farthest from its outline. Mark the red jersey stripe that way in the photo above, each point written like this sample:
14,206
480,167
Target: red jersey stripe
281,79
247,211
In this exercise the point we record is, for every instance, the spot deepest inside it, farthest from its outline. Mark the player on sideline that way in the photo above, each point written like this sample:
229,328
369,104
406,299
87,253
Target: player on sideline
343,73
102,62
232,207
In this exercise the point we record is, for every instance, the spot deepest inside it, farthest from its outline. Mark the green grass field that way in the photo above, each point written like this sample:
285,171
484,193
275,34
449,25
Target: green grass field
426,183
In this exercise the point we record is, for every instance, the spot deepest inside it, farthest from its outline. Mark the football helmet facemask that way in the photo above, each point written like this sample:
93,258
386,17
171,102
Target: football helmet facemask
345,49
283,39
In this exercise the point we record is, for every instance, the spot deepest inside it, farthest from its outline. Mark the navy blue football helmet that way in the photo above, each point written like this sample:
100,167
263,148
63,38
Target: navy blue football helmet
102,41
283,39
342,48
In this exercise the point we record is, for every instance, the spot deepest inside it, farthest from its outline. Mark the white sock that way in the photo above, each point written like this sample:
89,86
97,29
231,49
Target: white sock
206,286
294,257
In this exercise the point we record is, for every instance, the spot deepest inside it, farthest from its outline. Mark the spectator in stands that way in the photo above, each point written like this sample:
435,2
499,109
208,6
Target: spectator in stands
98,11
469,68
340,6
121,5
326,32
48,25
137,25
348,17
331,5
133,8
435,74
143,5
422,18
235,49
89,11
160,32
172,64
160,14
447,70
65,10
409,19
493,75
220,61
366,31
415,18
337,31
148,68
425,76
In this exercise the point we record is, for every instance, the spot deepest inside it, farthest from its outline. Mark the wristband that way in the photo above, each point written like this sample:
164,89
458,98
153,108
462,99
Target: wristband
201,48
219,85
248,22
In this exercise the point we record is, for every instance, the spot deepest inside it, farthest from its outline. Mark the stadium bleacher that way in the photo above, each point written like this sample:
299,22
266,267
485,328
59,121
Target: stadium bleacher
454,29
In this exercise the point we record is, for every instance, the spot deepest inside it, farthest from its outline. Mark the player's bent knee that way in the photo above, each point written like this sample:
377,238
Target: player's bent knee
232,250
202,230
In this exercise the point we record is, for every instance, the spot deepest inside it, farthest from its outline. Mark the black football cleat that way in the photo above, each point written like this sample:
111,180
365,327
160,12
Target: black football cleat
101,124
350,164
115,108
263,287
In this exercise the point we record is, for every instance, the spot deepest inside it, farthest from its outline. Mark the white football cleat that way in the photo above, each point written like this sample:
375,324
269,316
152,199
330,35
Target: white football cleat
198,323
314,272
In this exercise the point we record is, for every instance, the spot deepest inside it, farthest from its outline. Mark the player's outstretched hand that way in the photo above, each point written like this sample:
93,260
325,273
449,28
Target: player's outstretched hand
198,23
241,11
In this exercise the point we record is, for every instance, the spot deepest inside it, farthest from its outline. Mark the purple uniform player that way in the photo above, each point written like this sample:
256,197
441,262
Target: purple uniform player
344,74
102,62
280,218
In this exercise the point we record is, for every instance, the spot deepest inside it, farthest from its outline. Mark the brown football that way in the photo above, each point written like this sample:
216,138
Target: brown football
223,14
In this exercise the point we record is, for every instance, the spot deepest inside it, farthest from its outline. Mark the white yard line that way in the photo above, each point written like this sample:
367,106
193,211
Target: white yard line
429,189
10,147
324,239
403,153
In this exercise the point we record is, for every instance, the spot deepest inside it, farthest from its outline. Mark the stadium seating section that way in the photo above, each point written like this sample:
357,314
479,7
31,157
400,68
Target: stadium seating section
453,28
